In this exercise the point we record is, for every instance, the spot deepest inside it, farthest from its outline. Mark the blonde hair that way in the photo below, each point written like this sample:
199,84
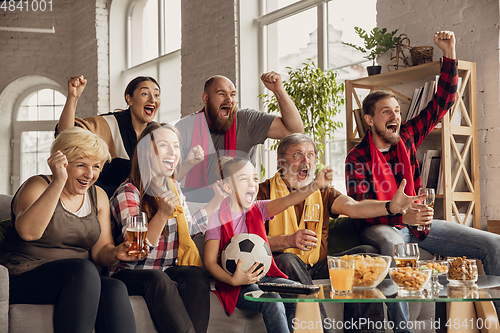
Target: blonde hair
78,143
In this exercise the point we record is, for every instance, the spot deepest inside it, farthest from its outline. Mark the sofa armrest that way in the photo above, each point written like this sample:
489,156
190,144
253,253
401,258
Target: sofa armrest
4,299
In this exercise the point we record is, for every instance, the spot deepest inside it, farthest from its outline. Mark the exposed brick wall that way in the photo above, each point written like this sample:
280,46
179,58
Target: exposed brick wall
476,26
208,47
73,49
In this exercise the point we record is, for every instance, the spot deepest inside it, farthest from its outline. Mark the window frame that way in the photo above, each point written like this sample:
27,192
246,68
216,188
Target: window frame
122,70
267,157
20,126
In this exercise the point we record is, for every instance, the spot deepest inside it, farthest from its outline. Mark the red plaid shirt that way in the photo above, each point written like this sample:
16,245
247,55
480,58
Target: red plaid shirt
358,167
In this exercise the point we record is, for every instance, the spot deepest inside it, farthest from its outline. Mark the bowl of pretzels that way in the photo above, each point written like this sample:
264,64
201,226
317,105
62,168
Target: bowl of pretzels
461,271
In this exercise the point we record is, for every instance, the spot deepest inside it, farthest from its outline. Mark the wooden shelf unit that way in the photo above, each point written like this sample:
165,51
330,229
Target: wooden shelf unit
452,199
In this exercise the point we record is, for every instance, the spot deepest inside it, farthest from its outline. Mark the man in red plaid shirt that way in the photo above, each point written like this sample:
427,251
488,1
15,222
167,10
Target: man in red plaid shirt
387,154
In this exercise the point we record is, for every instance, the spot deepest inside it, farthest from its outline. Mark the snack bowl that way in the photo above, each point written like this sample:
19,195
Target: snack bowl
369,270
461,271
410,281
438,267
470,291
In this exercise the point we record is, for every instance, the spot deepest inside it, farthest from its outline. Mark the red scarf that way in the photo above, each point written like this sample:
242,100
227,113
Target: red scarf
197,177
384,182
227,294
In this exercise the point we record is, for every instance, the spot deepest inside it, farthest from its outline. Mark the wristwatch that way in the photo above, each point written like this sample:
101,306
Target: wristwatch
388,208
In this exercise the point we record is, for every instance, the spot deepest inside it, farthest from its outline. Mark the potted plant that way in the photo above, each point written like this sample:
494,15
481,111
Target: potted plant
376,43
317,95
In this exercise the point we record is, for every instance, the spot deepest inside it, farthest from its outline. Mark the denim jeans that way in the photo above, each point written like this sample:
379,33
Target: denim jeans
446,239
277,316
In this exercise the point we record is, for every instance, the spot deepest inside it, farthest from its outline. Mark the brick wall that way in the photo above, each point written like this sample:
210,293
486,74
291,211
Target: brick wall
476,26
208,47
73,49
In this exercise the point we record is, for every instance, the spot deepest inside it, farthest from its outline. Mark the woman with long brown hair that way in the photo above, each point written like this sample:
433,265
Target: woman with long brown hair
170,278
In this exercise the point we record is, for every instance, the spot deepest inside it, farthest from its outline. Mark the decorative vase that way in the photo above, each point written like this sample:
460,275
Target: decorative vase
373,70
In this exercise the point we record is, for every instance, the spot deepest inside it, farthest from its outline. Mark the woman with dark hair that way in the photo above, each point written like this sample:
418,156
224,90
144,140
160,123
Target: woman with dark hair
171,279
119,129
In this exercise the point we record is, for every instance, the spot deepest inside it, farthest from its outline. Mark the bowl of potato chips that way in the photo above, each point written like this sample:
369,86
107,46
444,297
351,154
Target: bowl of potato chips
369,269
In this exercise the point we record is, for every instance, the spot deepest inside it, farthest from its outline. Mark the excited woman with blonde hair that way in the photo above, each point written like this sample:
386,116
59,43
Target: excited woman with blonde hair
57,221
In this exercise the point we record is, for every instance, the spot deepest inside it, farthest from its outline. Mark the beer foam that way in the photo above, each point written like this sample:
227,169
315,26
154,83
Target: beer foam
137,229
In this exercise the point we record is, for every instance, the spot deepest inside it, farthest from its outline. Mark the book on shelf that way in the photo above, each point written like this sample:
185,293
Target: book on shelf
439,189
434,169
361,124
417,94
429,174
424,98
421,98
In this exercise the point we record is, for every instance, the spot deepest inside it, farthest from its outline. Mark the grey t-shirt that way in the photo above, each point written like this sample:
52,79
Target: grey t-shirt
251,129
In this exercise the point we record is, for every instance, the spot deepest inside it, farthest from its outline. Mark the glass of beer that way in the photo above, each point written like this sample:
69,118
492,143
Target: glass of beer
429,201
136,232
311,218
406,254
341,273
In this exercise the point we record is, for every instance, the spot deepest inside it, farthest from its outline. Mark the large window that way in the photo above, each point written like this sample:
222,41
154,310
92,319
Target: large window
37,116
152,48
154,29
294,31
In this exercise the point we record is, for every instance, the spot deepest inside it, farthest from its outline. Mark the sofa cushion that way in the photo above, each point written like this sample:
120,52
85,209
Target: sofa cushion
31,318
143,321
3,228
5,206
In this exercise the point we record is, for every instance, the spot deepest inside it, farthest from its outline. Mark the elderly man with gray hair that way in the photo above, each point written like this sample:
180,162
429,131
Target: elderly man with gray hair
301,253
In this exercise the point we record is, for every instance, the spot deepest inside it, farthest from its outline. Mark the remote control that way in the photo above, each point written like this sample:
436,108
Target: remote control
295,288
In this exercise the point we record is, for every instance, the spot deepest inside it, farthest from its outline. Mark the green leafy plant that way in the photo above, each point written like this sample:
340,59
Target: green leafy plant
318,97
376,43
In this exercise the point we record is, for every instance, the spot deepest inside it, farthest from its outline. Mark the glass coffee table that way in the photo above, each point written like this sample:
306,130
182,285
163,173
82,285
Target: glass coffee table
487,288
475,300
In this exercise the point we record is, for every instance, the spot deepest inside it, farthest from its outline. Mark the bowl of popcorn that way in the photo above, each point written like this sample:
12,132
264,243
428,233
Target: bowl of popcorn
461,271
410,281
369,270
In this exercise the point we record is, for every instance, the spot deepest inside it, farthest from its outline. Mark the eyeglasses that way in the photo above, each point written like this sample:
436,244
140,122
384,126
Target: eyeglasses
299,156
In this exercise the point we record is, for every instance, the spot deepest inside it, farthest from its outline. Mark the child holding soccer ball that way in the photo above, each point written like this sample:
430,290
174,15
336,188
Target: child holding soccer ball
240,213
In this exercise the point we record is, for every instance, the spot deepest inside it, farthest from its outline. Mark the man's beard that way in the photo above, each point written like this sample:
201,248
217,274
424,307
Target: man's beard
295,181
215,122
382,133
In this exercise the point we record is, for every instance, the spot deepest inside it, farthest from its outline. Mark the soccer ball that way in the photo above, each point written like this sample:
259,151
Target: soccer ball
250,248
